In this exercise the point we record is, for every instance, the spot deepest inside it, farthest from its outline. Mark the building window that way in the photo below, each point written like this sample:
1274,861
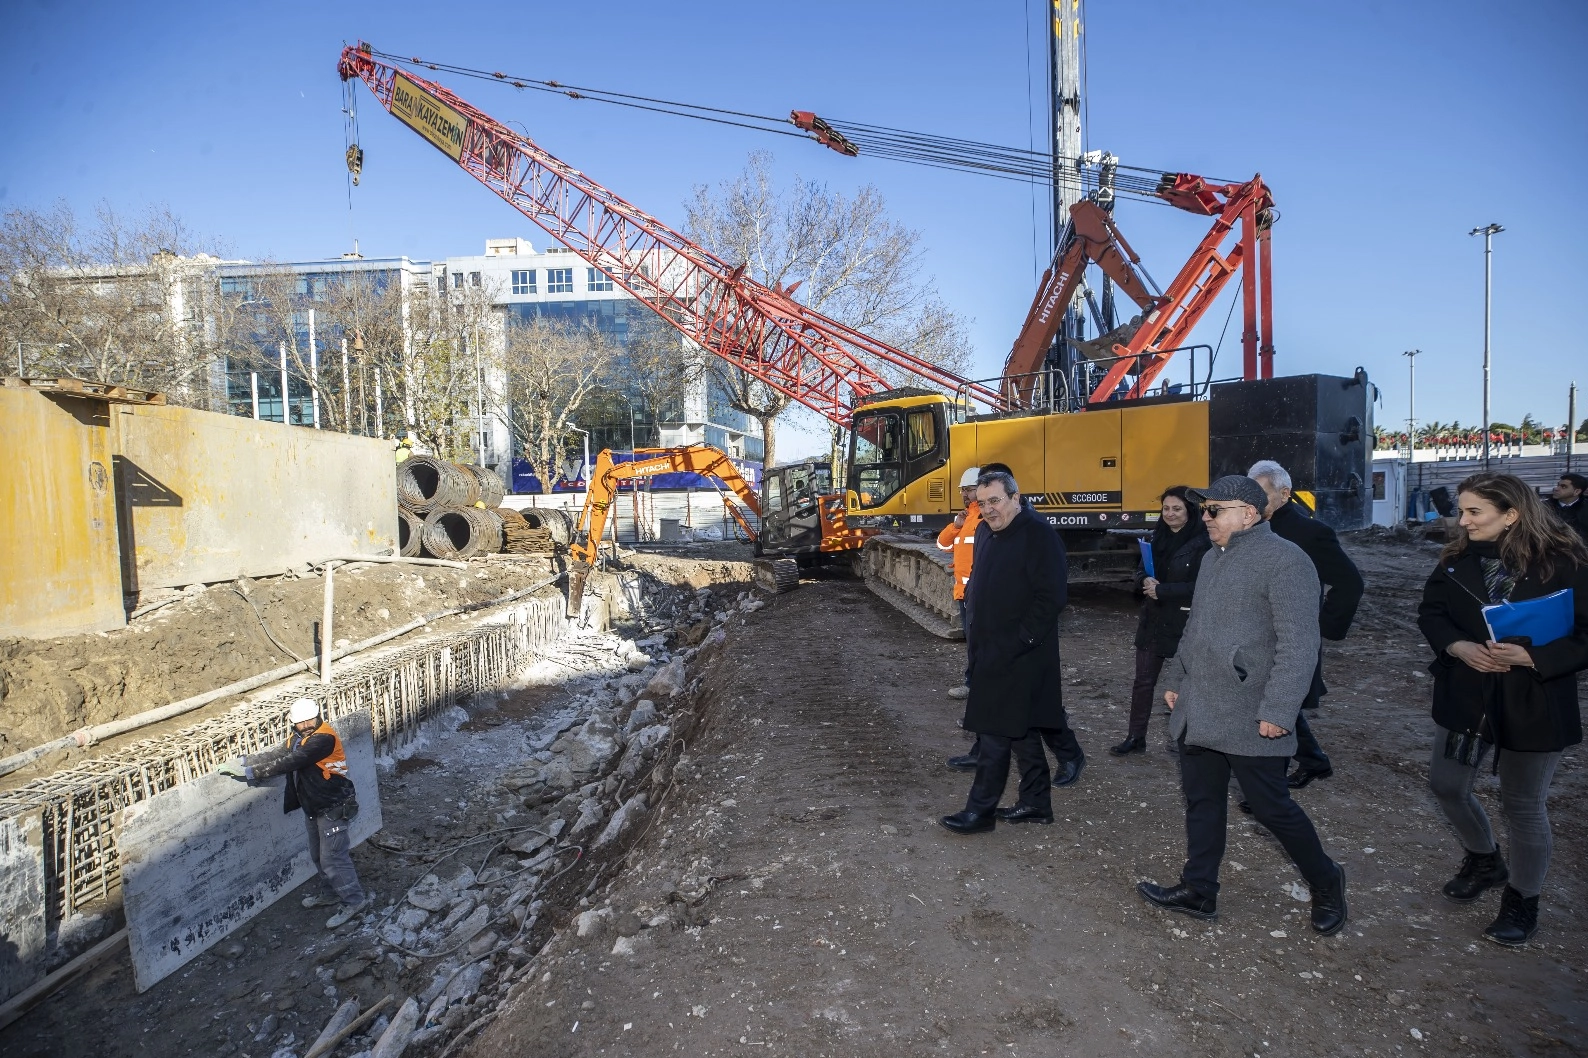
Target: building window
474,279
457,280
441,284
524,281
559,280
597,280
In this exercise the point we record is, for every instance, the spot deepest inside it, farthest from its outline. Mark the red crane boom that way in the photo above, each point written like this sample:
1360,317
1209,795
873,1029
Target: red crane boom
802,354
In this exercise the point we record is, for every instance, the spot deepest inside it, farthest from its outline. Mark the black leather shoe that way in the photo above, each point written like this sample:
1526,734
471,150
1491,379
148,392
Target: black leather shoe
1024,814
1302,776
964,762
1328,905
1244,806
1130,745
1065,772
1181,898
969,822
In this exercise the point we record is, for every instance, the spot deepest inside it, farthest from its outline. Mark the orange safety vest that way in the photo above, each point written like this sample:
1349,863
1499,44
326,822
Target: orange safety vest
334,763
961,540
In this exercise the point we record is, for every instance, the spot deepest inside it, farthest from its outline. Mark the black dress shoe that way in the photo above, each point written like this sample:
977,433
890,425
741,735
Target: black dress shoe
1302,776
969,822
1065,772
1328,905
1130,745
964,762
1244,806
1181,898
1024,814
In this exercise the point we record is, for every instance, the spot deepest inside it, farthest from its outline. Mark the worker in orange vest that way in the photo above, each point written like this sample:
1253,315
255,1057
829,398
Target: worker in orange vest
318,783
959,536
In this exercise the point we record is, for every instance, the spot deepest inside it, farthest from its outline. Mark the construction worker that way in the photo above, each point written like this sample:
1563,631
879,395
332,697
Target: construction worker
405,447
959,536
317,782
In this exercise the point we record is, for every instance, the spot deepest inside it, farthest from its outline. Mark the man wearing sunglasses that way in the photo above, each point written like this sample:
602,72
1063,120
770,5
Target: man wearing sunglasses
1235,687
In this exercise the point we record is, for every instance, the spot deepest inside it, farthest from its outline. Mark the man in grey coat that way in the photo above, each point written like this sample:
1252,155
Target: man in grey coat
1234,688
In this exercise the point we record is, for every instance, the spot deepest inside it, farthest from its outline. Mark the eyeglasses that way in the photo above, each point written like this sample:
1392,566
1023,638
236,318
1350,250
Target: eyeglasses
1210,511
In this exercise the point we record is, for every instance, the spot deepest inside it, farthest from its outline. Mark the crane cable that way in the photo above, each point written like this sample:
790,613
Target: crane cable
878,141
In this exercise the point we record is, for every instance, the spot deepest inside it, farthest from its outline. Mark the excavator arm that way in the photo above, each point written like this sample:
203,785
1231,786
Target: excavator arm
1094,238
648,462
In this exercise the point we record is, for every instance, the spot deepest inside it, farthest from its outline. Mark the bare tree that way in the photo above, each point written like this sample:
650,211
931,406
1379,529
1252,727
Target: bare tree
118,301
550,370
657,370
850,261
454,335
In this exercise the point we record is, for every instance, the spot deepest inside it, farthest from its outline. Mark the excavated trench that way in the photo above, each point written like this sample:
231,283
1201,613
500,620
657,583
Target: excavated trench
498,819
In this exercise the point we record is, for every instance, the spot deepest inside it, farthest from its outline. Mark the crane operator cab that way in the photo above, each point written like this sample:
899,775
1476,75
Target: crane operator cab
898,454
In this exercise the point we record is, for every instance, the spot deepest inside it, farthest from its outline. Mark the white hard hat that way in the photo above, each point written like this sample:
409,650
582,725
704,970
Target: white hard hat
967,479
304,709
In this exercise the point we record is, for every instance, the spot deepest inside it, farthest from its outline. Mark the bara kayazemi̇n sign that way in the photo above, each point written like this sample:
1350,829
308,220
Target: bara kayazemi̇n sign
428,116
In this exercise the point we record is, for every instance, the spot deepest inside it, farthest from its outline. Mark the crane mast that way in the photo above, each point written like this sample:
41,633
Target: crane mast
813,359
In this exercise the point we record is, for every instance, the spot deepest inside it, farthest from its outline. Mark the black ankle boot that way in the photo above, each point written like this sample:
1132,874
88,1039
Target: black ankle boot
1480,872
1518,919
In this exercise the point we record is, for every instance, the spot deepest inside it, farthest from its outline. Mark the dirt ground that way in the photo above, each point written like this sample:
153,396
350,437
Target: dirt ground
793,893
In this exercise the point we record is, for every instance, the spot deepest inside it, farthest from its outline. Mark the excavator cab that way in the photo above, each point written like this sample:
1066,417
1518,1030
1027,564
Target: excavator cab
791,509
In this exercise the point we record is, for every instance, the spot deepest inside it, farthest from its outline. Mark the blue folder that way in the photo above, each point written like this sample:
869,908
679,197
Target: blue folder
1542,620
1146,557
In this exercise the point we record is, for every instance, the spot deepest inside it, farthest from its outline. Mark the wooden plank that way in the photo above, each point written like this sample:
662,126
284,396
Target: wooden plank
203,858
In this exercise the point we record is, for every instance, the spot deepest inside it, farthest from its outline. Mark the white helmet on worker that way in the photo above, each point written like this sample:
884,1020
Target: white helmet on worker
968,479
304,709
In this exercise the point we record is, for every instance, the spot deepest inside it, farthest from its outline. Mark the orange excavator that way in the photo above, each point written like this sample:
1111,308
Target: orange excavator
798,519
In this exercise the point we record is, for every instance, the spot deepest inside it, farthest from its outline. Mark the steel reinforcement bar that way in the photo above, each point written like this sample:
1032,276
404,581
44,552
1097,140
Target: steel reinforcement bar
402,688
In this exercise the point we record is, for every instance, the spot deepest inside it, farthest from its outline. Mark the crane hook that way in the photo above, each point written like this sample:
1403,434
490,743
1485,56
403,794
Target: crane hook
355,161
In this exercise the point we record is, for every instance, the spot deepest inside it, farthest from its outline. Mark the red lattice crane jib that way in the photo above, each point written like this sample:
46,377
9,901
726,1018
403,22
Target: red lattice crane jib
802,354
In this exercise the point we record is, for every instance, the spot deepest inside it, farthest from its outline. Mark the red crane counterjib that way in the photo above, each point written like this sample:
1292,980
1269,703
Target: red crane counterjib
796,351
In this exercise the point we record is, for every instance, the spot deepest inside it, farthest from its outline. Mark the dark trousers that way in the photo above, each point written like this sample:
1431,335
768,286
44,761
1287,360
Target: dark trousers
1309,754
992,772
1061,740
1148,666
1205,778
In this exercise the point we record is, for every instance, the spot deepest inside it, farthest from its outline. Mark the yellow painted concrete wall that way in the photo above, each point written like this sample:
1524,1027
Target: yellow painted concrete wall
59,571
210,497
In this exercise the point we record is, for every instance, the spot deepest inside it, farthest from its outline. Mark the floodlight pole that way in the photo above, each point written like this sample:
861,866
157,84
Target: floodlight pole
1488,231
1411,356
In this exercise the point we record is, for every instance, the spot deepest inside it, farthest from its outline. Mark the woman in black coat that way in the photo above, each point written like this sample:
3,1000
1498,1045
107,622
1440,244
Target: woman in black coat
1516,698
1178,543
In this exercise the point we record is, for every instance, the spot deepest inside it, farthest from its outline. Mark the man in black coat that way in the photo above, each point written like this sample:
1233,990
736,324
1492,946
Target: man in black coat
1569,503
1342,586
1019,586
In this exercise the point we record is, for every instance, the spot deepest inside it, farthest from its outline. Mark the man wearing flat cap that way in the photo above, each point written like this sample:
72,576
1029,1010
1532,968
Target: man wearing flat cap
1234,689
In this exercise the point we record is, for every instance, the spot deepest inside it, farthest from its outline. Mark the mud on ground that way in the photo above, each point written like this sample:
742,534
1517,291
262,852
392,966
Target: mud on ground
789,891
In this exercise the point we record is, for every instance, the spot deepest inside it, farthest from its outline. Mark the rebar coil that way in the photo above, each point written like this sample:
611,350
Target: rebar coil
493,538
552,519
450,533
410,529
490,486
425,483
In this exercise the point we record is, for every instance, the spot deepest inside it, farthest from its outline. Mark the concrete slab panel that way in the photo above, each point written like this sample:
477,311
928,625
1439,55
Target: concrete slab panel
21,903
201,859
207,497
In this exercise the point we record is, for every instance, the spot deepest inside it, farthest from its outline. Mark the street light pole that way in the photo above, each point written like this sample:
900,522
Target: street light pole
1488,231
1411,356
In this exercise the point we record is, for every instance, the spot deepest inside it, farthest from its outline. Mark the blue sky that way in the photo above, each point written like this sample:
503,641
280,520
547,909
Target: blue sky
1387,131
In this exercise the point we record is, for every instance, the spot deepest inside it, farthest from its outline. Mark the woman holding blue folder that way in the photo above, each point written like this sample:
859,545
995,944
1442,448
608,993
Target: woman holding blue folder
1170,563
1512,695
